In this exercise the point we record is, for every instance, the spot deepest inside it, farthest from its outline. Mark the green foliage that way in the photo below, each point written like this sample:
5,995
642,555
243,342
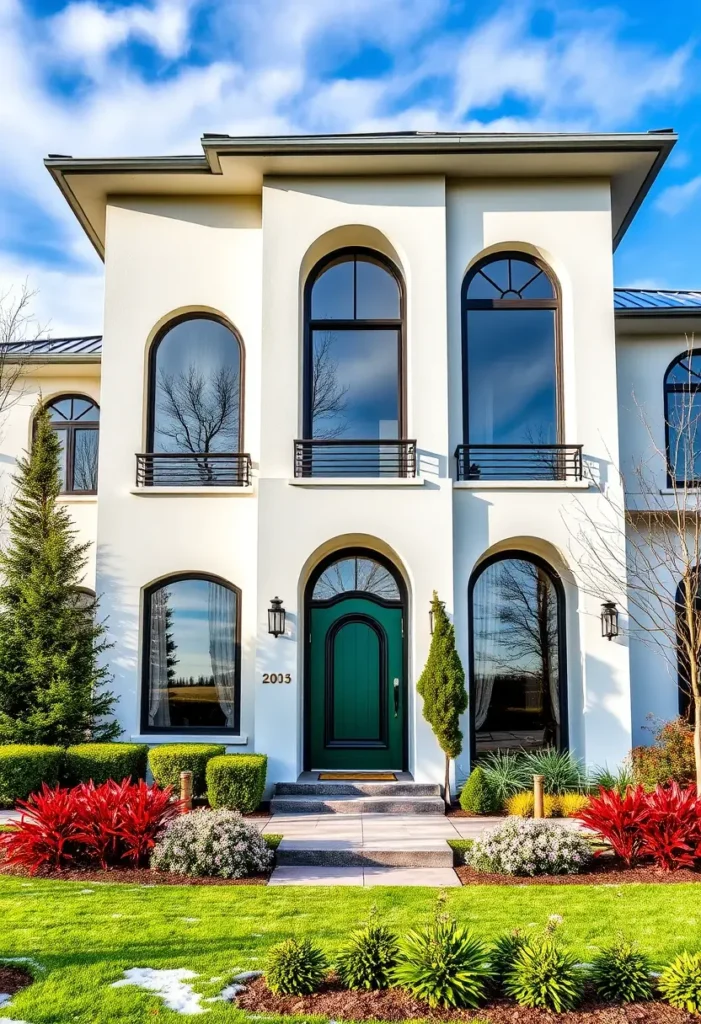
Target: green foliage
460,848
544,976
562,771
24,768
669,759
369,958
680,982
621,973
295,967
504,774
503,952
477,796
444,964
236,781
167,760
102,761
618,779
272,840
51,683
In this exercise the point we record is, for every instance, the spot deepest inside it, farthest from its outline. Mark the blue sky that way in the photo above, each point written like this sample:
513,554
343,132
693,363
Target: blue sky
94,78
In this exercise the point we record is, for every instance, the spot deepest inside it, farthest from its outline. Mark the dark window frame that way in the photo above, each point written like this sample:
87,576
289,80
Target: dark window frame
554,576
343,255
677,389
148,592
152,370
685,700
70,427
555,304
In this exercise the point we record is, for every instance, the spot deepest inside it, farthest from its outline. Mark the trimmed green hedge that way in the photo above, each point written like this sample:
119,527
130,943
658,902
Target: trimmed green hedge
103,761
24,768
167,760
477,796
236,781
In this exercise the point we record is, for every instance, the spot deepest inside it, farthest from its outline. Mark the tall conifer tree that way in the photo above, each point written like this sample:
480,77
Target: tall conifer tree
442,686
51,682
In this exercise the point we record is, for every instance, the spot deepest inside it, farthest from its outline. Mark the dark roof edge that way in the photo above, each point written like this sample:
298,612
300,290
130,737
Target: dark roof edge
657,312
667,144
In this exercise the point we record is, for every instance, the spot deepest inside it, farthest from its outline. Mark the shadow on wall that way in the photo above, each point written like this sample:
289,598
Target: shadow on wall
610,735
226,212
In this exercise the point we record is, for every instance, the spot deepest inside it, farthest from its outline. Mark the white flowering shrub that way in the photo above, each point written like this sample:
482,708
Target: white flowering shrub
219,843
523,846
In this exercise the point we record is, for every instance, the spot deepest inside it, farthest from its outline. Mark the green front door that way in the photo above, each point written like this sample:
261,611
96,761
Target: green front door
356,692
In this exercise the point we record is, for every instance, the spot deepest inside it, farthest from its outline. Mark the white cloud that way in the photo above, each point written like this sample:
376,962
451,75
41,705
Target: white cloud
85,29
677,197
68,302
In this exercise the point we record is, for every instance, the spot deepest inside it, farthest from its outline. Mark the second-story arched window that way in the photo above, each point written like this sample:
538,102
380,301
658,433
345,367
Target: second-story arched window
682,411
76,420
511,363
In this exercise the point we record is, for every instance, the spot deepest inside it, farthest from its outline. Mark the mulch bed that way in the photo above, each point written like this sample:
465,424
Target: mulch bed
13,979
605,870
130,876
338,1003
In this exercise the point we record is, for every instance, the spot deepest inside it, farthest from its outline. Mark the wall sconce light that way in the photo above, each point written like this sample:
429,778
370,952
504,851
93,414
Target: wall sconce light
276,617
609,620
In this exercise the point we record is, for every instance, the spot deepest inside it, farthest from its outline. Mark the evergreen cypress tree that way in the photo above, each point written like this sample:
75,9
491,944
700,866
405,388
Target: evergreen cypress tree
51,686
442,686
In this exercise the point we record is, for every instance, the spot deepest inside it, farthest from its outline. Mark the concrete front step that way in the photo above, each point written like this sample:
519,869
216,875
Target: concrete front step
340,804
357,789
405,853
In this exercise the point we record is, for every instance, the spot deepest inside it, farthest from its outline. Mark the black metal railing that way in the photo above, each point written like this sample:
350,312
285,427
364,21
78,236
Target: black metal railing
366,458
185,469
519,461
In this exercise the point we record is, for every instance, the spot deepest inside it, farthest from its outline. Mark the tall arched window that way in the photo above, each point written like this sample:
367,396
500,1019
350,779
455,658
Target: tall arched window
354,359
191,655
511,363
195,402
682,405
517,655
76,420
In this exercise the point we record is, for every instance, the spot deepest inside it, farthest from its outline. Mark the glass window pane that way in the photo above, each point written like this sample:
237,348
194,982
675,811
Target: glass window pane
197,389
511,376
332,293
481,287
85,460
192,656
83,409
355,384
684,417
516,670
687,371
61,409
539,288
351,574
377,295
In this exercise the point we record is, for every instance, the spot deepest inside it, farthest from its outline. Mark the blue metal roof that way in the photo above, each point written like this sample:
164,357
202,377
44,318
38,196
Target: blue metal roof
89,345
659,300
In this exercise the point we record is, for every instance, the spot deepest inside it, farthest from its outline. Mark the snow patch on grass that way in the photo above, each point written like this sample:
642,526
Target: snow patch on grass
169,985
237,985
11,1020
4,998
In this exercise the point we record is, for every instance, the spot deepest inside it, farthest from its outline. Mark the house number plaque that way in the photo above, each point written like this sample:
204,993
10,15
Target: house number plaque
277,677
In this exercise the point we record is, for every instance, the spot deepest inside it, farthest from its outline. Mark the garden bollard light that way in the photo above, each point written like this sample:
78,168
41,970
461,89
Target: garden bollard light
538,803
186,791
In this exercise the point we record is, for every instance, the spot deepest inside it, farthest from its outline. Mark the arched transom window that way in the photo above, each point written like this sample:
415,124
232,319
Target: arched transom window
76,420
682,399
518,698
356,574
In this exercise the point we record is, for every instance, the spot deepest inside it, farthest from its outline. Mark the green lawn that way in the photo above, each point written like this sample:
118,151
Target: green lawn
83,940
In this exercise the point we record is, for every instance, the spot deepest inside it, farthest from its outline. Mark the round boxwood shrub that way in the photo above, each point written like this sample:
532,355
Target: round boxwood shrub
167,760
236,781
23,769
100,762
295,968
212,843
477,796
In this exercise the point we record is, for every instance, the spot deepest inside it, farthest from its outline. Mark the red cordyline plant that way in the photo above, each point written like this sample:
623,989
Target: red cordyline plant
671,829
618,818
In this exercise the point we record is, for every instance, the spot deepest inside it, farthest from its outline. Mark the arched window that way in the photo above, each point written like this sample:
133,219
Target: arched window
517,655
195,401
191,657
354,341
76,420
356,573
682,405
511,365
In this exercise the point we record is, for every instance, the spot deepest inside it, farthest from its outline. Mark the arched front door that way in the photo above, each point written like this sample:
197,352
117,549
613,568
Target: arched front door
355,665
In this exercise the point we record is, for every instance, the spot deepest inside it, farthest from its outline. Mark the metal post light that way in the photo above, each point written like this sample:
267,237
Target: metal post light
609,620
276,617
430,619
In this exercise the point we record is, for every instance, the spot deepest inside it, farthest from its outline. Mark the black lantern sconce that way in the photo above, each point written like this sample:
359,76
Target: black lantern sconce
276,617
609,620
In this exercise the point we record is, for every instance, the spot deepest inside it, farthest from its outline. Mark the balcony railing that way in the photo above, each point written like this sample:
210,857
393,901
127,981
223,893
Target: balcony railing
184,469
519,461
366,458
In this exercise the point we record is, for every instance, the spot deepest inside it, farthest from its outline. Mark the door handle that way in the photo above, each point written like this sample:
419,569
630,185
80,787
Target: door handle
396,698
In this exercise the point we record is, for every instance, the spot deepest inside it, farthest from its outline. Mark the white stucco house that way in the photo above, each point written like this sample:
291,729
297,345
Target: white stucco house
343,372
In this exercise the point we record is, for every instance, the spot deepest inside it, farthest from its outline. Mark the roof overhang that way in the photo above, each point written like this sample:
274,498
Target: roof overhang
231,166
658,321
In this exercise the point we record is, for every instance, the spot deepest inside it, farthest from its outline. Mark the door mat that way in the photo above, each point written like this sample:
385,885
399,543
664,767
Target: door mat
357,777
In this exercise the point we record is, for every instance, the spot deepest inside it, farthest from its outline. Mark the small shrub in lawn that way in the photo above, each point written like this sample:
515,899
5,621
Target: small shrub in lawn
295,968
444,964
618,818
521,846
369,958
212,843
477,796
236,781
98,762
544,976
167,760
24,769
621,973
522,805
570,804
680,982
503,953
671,827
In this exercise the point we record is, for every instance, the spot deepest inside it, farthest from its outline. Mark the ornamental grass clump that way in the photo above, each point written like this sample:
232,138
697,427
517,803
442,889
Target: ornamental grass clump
522,846
295,968
680,983
545,976
369,958
620,973
561,771
503,952
522,805
218,844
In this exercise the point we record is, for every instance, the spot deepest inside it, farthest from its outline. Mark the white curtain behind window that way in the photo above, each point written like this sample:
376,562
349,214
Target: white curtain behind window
158,708
222,647
485,599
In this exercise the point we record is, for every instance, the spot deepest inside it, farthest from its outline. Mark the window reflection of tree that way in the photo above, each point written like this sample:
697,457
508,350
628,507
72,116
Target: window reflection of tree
328,397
